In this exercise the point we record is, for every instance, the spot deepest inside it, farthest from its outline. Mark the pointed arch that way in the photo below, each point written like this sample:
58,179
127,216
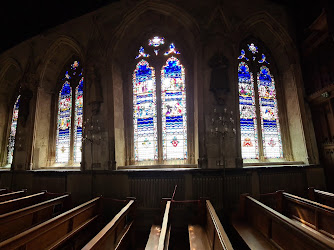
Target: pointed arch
270,125
248,121
63,141
144,112
259,119
55,59
174,111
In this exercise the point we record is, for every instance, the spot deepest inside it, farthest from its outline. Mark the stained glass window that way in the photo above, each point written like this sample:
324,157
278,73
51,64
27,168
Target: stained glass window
144,112
12,133
263,93
64,124
78,121
159,104
174,115
69,123
248,127
271,136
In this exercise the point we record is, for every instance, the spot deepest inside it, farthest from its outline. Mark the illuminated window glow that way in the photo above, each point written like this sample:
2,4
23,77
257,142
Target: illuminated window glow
263,93
271,136
174,115
78,121
144,113
160,134
12,133
248,125
70,115
64,124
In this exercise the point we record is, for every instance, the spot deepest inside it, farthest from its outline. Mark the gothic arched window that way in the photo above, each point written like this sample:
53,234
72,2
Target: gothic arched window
69,119
159,104
259,120
12,133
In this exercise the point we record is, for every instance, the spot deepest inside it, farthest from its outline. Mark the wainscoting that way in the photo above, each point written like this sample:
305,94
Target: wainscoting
149,186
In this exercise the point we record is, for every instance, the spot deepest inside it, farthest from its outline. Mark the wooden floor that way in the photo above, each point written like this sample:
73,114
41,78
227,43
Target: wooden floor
253,238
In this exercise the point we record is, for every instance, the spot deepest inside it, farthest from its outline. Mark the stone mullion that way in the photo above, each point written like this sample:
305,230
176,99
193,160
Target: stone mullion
71,160
254,71
159,112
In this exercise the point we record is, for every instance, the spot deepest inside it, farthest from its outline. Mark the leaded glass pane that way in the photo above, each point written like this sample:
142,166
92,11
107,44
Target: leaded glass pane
78,121
271,135
248,127
144,112
174,115
12,133
64,124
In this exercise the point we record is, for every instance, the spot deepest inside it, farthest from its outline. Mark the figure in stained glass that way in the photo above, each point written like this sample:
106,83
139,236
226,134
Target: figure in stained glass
272,145
144,112
174,116
248,127
70,106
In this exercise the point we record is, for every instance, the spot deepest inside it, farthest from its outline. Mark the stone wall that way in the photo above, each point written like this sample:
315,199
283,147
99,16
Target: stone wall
106,42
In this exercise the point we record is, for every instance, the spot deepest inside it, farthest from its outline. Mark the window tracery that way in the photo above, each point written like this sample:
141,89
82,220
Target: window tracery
159,104
259,120
69,118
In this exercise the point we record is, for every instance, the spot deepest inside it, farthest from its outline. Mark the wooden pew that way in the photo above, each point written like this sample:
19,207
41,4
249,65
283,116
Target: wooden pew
17,221
315,215
12,195
160,234
211,234
321,196
71,229
115,235
11,205
204,228
3,190
264,228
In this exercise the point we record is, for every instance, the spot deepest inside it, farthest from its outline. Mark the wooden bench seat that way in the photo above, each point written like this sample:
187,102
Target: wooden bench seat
15,204
17,221
12,195
211,234
69,230
116,234
275,228
322,197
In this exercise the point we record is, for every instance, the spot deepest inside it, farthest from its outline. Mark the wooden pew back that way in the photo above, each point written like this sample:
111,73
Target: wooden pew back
321,196
12,195
3,190
11,205
51,234
115,234
313,214
17,221
280,229
217,237
160,231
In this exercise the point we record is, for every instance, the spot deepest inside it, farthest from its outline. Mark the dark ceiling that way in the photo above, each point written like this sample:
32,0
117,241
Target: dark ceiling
24,19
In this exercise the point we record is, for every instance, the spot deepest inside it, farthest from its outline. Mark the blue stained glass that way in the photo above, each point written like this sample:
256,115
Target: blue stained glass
271,135
248,127
174,115
265,78
172,70
78,121
64,124
144,113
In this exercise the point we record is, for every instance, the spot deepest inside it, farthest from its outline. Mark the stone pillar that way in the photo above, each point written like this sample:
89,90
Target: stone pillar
25,126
